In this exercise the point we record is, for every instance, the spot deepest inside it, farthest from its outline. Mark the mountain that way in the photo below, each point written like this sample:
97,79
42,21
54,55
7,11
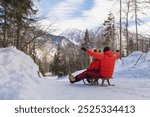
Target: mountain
58,40
74,35
49,44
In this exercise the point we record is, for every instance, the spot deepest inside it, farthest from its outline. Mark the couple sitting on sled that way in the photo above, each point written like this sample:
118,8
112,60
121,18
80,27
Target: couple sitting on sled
103,65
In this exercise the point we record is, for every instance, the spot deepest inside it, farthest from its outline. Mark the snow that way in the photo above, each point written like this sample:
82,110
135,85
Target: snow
74,35
132,70
18,74
19,79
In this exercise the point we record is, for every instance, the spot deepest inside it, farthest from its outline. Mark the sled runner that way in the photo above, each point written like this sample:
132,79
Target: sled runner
91,81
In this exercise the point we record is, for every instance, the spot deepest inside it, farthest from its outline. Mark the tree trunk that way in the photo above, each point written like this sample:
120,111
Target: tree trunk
120,26
127,25
18,38
5,26
136,26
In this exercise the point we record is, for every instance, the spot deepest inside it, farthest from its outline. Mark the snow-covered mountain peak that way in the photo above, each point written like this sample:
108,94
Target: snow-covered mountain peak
74,35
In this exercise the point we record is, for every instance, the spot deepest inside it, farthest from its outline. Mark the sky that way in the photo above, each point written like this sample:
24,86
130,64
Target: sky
83,14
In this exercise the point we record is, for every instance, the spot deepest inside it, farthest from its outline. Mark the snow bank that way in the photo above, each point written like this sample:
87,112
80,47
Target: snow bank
14,62
126,67
18,75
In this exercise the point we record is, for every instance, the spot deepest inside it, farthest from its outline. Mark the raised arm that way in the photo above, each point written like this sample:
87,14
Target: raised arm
93,54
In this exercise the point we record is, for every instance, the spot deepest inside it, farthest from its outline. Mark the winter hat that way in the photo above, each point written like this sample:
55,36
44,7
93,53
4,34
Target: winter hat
106,49
94,50
99,50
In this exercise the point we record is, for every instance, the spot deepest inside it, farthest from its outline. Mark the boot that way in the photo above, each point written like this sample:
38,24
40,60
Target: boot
88,80
72,78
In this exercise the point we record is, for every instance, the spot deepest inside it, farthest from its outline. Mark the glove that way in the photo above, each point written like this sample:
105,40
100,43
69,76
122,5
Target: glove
83,48
117,50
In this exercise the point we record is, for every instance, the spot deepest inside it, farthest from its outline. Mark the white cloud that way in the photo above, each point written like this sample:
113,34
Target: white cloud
65,9
143,29
90,18
62,12
99,12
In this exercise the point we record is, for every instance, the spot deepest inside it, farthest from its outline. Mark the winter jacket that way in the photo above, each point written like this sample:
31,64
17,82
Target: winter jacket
107,61
94,65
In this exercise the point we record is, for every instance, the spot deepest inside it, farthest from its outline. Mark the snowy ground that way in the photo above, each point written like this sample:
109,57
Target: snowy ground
19,80
124,89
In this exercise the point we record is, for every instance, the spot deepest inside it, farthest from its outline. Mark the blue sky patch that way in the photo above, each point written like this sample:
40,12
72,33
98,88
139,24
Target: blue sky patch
46,5
83,7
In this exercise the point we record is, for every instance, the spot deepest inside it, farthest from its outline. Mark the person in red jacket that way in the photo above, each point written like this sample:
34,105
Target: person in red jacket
95,63
94,67
107,61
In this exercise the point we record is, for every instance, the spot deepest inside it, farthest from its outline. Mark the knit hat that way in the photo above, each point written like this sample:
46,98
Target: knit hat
106,49
94,50
99,50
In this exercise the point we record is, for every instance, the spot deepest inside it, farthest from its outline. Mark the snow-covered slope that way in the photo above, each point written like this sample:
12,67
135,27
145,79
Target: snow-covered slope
15,63
74,35
19,80
49,45
136,65
18,76
47,50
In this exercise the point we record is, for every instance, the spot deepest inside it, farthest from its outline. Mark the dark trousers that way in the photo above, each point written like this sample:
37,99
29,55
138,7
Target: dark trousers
88,74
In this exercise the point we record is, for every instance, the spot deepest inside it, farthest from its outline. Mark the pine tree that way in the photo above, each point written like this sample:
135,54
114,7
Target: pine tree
58,66
86,39
109,32
85,60
4,21
15,16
